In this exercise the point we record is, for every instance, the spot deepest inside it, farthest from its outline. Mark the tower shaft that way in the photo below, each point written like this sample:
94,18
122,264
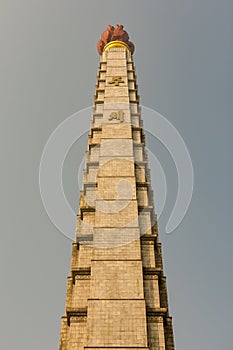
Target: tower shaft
116,292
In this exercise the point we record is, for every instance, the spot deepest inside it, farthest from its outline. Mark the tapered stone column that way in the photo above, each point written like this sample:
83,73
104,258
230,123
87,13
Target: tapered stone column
116,293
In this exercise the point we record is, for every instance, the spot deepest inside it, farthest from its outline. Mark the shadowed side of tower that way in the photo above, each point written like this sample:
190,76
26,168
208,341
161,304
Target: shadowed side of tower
116,293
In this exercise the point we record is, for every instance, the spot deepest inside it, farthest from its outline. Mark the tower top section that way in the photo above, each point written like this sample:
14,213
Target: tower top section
114,37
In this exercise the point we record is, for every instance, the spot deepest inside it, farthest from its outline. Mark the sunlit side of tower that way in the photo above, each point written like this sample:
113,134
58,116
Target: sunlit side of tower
116,293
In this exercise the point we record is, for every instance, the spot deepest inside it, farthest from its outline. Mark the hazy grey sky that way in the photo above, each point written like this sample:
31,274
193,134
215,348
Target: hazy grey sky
49,62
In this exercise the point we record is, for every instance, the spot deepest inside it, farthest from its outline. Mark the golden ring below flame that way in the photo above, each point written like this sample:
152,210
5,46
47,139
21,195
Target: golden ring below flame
115,43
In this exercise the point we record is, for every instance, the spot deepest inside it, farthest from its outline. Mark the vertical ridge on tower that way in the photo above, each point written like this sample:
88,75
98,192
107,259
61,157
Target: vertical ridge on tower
116,292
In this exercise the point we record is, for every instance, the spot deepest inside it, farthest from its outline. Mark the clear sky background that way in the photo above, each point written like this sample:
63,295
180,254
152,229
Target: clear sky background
49,62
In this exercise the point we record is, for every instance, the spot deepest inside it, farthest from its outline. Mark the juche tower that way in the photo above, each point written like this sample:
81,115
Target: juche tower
116,293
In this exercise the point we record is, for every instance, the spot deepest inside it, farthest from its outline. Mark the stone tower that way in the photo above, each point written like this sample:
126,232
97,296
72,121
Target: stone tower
116,293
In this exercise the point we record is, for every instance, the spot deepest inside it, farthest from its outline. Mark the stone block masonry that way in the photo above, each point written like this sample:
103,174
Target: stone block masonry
116,292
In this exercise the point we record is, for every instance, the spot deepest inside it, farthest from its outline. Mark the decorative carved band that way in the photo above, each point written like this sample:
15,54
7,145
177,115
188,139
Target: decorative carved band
81,274
155,319
151,277
76,316
82,277
147,242
76,319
